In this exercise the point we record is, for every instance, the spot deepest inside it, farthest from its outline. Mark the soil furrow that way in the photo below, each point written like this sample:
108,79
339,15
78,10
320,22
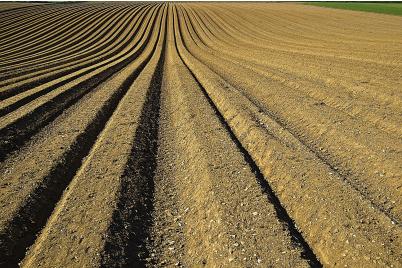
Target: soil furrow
16,134
115,142
335,170
281,212
16,7
31,17
198,174
46,33
15,99
22,230
199,135
127,235
32,215
313,133
57,49
339,101
85,41
119,44
263,149
307,253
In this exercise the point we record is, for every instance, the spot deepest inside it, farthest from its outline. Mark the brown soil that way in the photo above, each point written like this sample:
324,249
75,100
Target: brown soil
199,134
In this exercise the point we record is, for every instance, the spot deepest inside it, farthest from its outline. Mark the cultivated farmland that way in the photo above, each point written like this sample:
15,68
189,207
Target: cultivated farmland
199,134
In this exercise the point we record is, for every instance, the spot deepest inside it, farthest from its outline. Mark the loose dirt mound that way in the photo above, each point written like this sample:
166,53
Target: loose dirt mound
218,135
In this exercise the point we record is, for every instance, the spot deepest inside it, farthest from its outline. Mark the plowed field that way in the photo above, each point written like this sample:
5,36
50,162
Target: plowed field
199,134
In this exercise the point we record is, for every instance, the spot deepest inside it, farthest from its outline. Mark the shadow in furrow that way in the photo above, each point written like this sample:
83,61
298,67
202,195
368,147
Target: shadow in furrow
102,21
343,174
14,10
110,44
17,134
45,36
22,230
283,216
128,234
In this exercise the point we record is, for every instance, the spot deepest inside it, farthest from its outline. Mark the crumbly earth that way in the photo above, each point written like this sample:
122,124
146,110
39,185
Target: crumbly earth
199,134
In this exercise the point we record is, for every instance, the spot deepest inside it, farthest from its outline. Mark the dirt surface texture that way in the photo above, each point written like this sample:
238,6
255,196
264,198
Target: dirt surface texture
138,134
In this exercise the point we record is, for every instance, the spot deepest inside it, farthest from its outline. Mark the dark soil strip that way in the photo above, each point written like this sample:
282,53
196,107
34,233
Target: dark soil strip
17,134
281,212
128,234
24,17
22,230
64,18
325,159
16,90
18,9
41,59
101,17
48,35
